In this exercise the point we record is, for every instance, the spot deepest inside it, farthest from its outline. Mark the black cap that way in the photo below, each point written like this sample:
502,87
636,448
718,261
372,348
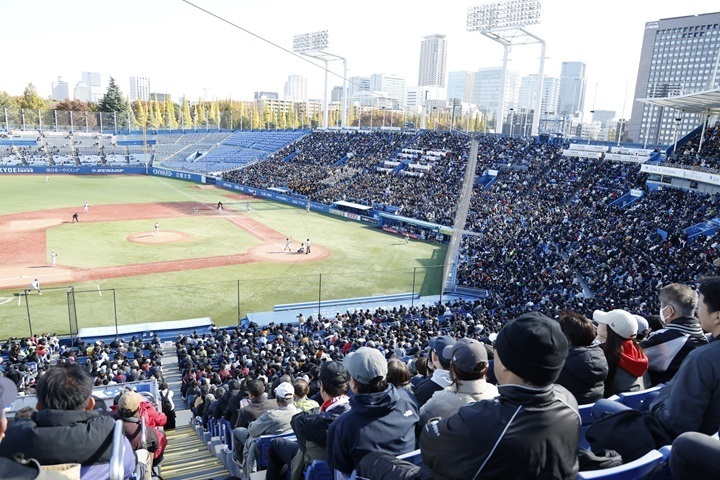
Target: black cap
333,373
533,347
233,385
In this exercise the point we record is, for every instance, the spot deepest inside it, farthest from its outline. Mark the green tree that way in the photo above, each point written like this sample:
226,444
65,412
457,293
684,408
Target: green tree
170,120
5,100
113,100
157,113
214,114
141,114
31,100
186,118
255,117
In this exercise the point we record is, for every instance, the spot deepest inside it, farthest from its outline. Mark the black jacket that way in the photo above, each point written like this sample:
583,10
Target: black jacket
522,434
584,373
61,436
668,347
313,427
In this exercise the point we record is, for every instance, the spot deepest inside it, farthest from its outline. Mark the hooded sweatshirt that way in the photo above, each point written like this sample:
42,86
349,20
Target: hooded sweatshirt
382,422
632,359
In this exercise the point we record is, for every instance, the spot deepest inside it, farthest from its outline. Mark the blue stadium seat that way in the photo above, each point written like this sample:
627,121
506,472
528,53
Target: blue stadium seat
263,447
635,400
318,470
640,469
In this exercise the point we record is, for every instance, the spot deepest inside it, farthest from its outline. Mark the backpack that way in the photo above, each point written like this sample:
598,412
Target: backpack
167,409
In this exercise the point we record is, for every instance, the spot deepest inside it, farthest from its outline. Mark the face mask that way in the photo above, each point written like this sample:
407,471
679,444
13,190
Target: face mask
662,317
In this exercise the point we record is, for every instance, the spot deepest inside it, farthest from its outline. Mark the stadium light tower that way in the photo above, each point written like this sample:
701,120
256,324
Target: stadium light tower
313,45
505,22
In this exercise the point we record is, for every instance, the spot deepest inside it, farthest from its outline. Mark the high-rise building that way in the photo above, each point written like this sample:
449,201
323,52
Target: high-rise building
265,96
433,61
296,88
572,88
139,88
81,92
391,87
488,84
461,85
60,90
527,95
678,56
93,81
358,84
603,116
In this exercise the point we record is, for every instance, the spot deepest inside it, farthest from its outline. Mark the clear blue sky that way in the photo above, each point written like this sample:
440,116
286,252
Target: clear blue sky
185,51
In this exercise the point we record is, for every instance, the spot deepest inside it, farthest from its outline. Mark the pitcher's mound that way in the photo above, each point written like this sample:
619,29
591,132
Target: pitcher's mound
166,236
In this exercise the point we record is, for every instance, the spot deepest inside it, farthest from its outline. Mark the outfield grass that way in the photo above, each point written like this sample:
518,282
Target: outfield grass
364,261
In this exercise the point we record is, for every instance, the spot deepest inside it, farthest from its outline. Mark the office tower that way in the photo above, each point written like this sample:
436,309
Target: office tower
81,92
433,60
139,88
358,84
60,90
678,57
572,88
94,84
391,87
486,94
461,85
296,88
604,117
528,93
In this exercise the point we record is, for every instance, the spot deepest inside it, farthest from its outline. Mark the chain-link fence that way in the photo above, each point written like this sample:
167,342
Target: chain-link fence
65,310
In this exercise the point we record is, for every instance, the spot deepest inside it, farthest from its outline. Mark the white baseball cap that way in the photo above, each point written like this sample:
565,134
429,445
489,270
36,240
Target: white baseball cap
620,321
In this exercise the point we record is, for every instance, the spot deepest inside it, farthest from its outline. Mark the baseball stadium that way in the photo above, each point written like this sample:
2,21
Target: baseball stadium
388,283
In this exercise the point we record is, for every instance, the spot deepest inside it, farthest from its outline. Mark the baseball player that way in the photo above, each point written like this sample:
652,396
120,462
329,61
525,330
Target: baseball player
35,285
157,229
220,207
287,245
307,207
407,238
307,247
86,207
47,178
247,205
75,218
53,259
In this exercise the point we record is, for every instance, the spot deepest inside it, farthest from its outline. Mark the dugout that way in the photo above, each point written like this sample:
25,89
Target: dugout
350,207
417,229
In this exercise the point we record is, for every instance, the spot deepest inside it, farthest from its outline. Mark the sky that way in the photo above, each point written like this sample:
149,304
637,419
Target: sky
187,52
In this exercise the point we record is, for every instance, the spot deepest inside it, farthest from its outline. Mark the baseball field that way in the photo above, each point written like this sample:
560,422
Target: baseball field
200,262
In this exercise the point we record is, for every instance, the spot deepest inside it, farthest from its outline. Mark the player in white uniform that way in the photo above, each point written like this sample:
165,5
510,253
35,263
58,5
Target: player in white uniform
407,238
86,207
157,229
307,247
307,207
35,285
247,205
287,245
53,259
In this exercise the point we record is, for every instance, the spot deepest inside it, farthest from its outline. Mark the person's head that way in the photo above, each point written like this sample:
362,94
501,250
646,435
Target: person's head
284,393
677,300
421,366
619,322
438,345
65,386
8,394
709,305
469,360
301,388
398,373
129,404
334,380
368,370
530,350
579,331
255,388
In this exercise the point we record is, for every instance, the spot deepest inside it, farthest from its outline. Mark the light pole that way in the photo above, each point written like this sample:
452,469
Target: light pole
512,121
677,127
313,45
383,109
504,22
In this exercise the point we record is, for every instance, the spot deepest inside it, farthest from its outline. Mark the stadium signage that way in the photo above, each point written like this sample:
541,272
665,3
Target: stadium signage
16,170
710,178
73,170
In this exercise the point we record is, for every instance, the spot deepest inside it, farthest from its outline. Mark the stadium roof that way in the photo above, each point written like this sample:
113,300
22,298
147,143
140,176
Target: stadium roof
708,100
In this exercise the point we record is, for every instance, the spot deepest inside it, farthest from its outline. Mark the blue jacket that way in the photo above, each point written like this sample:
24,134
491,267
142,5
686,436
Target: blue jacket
382,422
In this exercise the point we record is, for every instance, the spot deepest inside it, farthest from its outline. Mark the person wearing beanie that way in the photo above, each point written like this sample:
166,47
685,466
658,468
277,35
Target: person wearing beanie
311,428
468,365
627,362
530,431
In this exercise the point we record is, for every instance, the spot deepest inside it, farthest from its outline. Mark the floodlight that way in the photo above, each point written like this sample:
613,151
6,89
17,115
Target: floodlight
310,41
503,15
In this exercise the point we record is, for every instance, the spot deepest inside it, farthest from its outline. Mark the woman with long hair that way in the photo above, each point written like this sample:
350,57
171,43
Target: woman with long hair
627,362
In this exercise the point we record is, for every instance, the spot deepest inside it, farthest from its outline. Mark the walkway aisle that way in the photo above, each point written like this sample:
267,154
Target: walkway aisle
186,457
